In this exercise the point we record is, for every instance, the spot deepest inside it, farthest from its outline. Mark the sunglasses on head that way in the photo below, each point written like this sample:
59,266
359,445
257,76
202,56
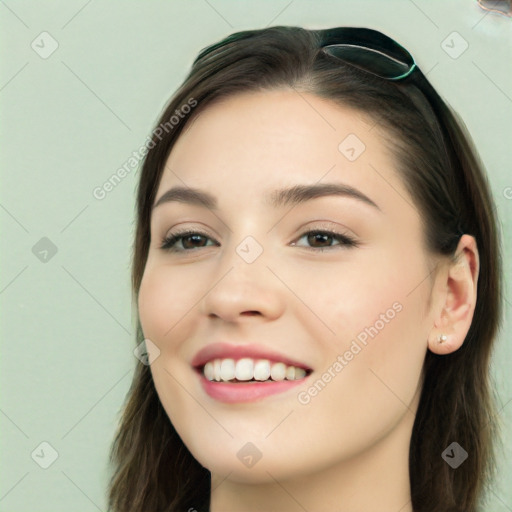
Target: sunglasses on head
377,54
368,50
363,48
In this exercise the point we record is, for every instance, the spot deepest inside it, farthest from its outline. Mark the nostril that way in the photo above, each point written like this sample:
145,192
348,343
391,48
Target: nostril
250,313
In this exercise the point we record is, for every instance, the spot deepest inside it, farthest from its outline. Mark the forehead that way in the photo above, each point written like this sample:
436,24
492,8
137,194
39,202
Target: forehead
256,142
267,123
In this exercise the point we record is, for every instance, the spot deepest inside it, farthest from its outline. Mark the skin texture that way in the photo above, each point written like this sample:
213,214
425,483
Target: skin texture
346,449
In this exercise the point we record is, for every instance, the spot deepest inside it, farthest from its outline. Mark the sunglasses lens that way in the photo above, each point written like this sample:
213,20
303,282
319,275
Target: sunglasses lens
369,60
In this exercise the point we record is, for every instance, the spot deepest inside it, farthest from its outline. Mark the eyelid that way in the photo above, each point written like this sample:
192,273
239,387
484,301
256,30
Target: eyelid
179,229
328,225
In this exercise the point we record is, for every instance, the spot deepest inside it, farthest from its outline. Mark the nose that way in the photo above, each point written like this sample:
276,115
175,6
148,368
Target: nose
241,289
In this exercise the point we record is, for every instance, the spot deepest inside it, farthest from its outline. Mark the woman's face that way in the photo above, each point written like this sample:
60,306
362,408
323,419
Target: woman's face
351,308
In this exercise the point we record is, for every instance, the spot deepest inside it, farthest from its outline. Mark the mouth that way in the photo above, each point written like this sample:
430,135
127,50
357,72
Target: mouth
248,380
249,370
235,373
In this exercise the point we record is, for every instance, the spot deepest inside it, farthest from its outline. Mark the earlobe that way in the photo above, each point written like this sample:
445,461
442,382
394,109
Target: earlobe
458,299
449,333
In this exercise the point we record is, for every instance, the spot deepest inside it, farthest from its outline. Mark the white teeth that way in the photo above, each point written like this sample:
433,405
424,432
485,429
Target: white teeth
244,369
227,369
278,371
216,370
262,370
208,370
247,369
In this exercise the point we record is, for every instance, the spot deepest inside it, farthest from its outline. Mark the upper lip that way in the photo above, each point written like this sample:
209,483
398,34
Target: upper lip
226,350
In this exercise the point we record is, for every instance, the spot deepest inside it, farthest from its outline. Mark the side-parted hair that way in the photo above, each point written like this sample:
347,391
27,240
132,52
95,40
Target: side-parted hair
153,471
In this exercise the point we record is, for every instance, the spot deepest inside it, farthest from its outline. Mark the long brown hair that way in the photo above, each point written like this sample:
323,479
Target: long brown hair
152,468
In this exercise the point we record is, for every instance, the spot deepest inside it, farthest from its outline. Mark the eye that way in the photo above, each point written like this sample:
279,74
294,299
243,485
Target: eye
319,240
188,239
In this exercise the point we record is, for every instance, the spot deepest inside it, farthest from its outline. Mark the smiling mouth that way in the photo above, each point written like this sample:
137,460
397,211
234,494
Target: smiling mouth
249,370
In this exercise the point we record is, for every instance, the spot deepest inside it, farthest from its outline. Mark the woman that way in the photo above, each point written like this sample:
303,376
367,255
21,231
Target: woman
316,270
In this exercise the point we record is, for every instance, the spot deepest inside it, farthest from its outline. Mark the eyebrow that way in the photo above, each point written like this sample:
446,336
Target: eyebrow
278,198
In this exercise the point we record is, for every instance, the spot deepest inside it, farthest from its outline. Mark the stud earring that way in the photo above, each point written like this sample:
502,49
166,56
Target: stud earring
442,338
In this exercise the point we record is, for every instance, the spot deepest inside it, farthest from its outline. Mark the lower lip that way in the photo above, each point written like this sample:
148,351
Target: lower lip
246,392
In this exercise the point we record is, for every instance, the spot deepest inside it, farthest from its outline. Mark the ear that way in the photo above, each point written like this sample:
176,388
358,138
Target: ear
458,290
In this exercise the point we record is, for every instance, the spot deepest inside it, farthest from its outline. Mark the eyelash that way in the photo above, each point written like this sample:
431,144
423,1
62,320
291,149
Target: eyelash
168,243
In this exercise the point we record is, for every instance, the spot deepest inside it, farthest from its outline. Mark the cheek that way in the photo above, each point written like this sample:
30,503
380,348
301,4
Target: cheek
356,297
165,302
165,299
377,312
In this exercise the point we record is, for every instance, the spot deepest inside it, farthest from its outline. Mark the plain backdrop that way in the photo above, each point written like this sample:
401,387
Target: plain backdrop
81,85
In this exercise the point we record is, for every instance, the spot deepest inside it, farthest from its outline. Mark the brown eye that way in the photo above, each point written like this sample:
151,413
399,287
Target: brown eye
324,239
321,239
189,240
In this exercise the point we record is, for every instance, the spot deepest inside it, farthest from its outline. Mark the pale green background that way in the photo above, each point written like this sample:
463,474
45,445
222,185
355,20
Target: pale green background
69,121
